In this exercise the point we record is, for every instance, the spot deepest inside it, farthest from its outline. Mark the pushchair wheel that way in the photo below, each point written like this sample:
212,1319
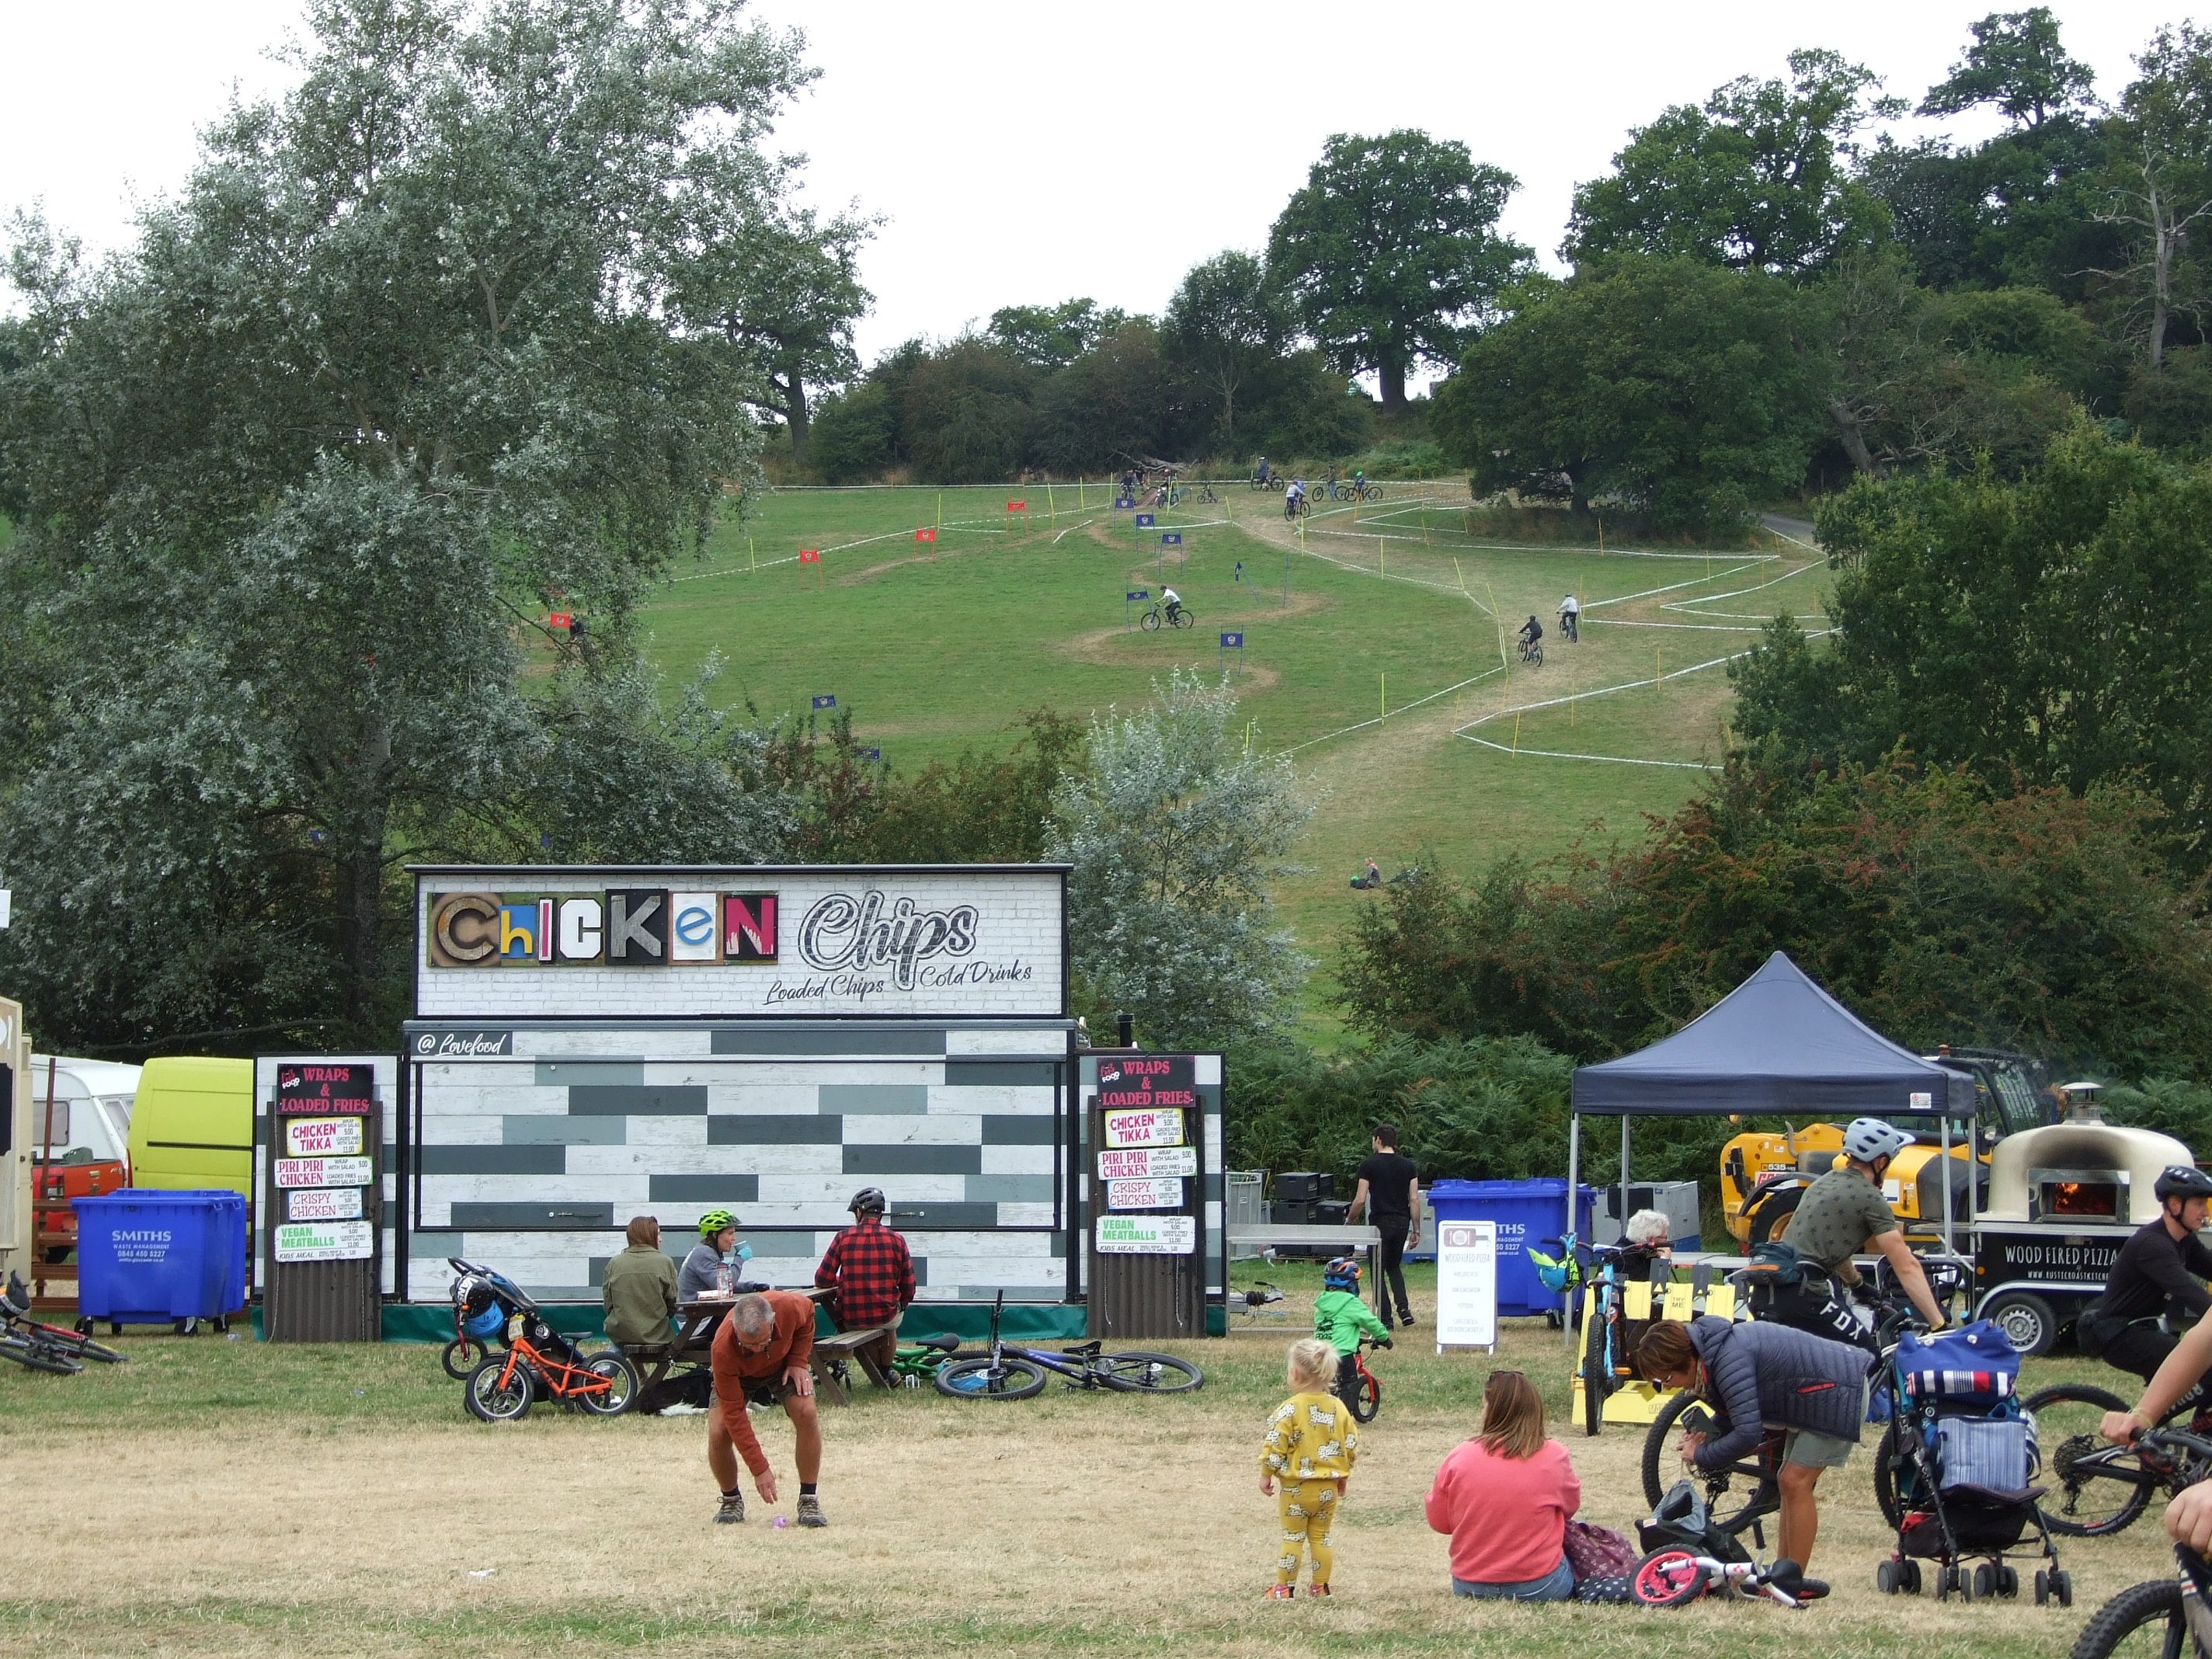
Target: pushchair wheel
2062,1586
1911,1571
1985,1583
2008,1580
1887,1579
2042,1587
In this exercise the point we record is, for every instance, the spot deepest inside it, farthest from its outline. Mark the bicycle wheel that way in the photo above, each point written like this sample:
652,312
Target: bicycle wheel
1184,619
621,1392
2145,1618
2095,1488
462,1355
1011,1377
33,1358
495,1402
1150,622
1148,1373
1366,1398
1886,1456
1731,1506
1536,657
1597,1372
1374,494
1668,1577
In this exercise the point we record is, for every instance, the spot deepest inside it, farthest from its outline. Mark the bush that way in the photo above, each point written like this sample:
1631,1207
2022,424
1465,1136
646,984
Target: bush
2170,1105
1419,459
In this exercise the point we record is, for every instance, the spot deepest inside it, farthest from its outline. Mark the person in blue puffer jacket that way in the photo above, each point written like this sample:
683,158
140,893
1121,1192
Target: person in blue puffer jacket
1760,1373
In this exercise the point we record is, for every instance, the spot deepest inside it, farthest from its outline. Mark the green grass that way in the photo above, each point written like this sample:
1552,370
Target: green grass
1405,608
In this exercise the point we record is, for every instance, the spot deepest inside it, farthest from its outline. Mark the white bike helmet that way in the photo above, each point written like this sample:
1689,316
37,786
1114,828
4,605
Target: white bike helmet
1870,1138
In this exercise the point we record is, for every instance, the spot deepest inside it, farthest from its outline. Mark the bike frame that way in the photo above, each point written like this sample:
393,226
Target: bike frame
574,1380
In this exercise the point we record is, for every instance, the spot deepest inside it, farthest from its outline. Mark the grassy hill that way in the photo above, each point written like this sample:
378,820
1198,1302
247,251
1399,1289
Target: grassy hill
1376,650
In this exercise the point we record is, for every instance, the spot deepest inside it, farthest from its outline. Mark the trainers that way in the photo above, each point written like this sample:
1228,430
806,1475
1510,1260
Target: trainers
1407,1320
733,1507
810,1510
681,1409
1281,1592
1316,1589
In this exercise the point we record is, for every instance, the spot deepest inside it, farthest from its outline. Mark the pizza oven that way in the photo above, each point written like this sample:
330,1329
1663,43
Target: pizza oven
2077,1196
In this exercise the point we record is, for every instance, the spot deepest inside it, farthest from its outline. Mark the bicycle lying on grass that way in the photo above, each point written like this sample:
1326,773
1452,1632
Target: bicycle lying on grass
1008,1372
37,1346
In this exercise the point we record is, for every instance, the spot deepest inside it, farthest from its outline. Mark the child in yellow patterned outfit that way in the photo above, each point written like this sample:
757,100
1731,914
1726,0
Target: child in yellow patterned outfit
1309,1449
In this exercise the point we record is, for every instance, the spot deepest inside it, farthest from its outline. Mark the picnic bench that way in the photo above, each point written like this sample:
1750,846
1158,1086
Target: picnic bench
832,1354
693,1342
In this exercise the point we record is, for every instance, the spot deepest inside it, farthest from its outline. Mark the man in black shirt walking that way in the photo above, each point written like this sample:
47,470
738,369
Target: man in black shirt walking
1388,1190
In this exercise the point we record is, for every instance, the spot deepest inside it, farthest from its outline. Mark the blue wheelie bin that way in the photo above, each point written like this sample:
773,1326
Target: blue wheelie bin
149,1257
1527,1212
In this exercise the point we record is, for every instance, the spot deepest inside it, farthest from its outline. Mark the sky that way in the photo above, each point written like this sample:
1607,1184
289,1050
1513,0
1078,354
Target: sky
1024,153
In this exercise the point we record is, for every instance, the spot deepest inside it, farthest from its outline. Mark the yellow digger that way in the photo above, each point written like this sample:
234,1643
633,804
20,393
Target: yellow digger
1763,1174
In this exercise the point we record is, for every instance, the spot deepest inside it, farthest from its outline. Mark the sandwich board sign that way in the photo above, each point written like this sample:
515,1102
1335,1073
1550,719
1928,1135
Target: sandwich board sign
1466,1284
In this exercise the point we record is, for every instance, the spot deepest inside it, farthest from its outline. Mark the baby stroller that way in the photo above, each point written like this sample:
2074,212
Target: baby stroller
483,1302
1687,1556
1964,1452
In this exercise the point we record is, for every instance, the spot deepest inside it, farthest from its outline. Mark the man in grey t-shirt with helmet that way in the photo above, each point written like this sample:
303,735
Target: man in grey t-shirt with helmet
1843,1213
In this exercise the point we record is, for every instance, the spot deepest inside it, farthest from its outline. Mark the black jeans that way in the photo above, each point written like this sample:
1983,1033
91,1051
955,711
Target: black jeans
1391,1280
2142,1347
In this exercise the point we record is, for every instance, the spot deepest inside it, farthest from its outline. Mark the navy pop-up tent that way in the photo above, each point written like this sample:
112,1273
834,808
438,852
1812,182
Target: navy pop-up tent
1778,1045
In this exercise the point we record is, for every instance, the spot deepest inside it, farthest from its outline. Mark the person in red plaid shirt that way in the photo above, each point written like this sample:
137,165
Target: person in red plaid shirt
869,1274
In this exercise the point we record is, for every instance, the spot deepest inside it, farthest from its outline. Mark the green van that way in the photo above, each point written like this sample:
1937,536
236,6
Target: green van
192,1126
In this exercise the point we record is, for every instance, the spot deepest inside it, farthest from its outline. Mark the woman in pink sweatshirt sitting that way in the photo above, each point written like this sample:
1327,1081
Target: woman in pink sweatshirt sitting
1505,1497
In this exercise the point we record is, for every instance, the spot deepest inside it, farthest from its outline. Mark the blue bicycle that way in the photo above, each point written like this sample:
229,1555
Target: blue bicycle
1008,1372
1603,1364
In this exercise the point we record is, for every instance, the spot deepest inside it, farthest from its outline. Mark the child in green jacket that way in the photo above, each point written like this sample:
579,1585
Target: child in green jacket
1340,1319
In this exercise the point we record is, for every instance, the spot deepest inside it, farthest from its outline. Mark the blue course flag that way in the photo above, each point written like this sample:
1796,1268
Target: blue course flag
825,703
872,753
1232,641
1171,539
1138,593
1144,521
1123,503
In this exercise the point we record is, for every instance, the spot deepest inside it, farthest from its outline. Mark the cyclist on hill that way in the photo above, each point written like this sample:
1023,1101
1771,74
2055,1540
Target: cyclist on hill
1293,498
1263,475
2156,1276
1173,600
1570,615
1359,484
1531,632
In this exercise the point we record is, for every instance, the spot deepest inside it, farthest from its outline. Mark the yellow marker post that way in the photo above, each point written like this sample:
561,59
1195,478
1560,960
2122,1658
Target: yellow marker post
1051,506
1081,504
1517,731
752,564
1382,558
1385,681
1655,675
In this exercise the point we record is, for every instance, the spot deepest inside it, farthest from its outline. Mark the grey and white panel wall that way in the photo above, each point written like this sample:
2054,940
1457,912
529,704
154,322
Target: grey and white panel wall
896,1029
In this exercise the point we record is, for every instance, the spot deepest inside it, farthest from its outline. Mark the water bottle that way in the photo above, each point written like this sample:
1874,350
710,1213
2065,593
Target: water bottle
725,1279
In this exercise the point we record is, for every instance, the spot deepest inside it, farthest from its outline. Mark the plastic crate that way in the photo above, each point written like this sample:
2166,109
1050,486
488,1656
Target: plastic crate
149,1257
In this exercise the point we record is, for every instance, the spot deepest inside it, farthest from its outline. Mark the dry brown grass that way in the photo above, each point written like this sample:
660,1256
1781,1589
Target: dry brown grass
1104,1524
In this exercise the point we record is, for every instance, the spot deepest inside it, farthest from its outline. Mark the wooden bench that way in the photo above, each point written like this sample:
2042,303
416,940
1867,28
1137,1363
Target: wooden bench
849,1345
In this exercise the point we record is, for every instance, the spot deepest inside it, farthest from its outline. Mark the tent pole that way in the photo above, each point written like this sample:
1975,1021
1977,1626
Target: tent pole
1574,1174
1950,1243
1620,1214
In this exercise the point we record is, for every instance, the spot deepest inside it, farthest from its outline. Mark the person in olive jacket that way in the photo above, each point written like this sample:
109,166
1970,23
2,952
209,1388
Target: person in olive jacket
639,1291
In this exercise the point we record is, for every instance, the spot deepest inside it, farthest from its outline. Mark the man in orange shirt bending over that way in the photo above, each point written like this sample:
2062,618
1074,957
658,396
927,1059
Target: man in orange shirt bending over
767,1343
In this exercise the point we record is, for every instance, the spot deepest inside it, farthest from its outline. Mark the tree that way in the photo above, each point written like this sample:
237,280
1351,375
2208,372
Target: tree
783,287
2157,188
964,414
1175,832
2055,628
400,366
1757,179
1666,385
1226,327
1048,337
1391,249
2017,63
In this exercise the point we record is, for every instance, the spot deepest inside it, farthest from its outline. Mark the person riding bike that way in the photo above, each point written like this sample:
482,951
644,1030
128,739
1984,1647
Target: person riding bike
1359,484
1173,601
1570,617
2157,1274
1531,632
1340,1319
1263,475
1844,1214
1292,496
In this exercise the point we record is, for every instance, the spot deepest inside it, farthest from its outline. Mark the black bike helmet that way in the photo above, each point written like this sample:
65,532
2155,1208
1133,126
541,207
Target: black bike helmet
2183,1181
869,1200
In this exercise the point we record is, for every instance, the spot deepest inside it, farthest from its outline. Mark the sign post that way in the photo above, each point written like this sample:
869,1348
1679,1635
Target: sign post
1466,1284
1233,641
322,1187
1147,1198
1129,596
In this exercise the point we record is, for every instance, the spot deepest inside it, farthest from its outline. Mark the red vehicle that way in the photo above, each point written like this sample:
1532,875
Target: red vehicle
80,1137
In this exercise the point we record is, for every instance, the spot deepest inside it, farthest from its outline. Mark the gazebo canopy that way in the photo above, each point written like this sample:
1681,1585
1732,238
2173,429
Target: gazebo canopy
1777,1044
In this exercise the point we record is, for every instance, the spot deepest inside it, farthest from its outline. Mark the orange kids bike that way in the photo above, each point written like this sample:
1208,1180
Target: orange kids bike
541,1363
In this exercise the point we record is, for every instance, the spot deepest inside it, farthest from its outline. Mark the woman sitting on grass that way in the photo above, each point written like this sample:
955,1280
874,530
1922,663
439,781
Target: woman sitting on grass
1505,1497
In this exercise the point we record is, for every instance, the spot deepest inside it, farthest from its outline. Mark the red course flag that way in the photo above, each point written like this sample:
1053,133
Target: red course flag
924,535
559,619
809,555
1017,507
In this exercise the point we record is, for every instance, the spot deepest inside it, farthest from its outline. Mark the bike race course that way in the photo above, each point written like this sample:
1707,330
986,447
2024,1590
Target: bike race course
1116,1524
1377,649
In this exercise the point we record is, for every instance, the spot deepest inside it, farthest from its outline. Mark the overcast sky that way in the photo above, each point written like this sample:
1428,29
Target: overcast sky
1023,152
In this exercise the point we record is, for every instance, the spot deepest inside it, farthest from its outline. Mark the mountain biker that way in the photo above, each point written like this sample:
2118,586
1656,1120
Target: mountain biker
1263,475
1570,615
1531,632
1843,1213
1358,483
1760,1373
1173,600
870,1273
2156,1274
1340,1319
1292,496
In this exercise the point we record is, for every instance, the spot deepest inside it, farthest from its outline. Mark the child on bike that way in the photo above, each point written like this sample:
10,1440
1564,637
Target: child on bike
1340,1319
1532,631
1173,601
1310,1446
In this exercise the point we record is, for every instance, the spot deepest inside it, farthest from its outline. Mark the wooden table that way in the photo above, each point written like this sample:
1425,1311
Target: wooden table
1345,1239
696,1323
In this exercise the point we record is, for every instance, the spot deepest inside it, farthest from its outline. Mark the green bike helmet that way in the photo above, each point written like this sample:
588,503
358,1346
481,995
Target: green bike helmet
714,1221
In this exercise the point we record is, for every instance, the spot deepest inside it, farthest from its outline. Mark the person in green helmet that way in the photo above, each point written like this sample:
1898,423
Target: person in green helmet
716,1249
